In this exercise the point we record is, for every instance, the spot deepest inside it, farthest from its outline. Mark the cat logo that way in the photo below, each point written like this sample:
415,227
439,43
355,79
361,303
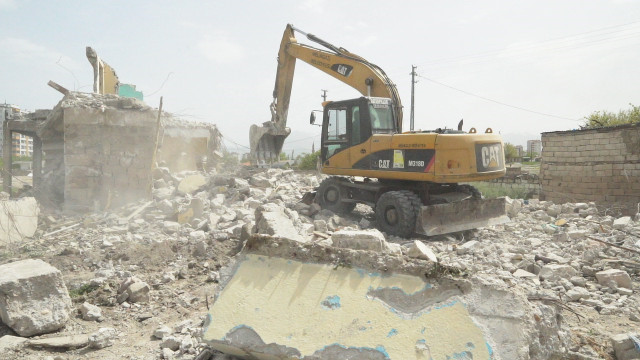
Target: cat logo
491,156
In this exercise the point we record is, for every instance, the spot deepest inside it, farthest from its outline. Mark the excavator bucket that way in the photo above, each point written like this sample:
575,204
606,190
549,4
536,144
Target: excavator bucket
461,215
266,142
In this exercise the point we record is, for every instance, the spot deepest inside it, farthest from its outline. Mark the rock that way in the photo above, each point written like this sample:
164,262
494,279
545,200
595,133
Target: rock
360,240
60,342
577,234
171,227
554,210
555,272
513,207
10,343
419,250
133,290
625,291
161,332
320,226
170,342
192,183
102,338
33,297
197,235
622,222
261,181
577,293
524,274
467,247
272,220
619,277
90,312
624,347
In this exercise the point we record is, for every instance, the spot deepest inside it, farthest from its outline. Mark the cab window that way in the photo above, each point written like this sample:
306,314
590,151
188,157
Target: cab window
381,118
336,139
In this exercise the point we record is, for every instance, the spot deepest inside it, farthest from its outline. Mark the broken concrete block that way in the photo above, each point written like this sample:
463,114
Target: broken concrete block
170,227
555,272
161,332
192,183
18,219
272,220
33,297
102,338
524,274
371,239
261,181
90,312
622,222
134,290
10,343
512,207
619,277
419,250
60,342
625,347
467,247
577,293
170,342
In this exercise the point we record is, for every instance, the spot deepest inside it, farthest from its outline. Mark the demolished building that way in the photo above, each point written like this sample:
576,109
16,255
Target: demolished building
94,152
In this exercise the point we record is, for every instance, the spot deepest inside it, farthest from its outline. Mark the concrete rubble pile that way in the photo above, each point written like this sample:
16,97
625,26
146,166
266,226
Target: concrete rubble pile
142,278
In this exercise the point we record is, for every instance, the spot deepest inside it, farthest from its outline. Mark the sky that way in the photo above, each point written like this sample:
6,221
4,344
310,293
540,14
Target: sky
519,67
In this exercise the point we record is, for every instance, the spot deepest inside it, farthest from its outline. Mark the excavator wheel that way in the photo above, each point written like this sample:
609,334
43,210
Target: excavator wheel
330,193
397,212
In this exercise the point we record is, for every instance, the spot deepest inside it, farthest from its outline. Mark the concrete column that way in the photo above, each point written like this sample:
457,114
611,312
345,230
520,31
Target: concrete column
37,162
6,155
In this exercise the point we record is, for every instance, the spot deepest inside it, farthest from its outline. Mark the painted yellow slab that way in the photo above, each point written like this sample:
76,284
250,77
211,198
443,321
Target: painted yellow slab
310,307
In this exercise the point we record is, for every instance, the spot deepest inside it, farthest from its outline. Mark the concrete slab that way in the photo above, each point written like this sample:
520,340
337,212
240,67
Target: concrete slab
18,220
296,310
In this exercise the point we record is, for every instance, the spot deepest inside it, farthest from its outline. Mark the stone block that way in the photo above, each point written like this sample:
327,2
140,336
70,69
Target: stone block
192,183
420,250
18,219
619,277
624,346
555,272
371,239
33,297
272,220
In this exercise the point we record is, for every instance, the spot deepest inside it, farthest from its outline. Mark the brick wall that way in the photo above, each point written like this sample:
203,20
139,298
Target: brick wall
601,165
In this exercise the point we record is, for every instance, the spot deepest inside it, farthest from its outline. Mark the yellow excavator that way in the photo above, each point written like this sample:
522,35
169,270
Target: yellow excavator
412,179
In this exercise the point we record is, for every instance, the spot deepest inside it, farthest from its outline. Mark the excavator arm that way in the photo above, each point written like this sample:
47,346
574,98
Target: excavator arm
367,78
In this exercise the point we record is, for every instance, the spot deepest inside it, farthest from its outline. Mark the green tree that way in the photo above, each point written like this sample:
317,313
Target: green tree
283,156
606,118
510,152
308,161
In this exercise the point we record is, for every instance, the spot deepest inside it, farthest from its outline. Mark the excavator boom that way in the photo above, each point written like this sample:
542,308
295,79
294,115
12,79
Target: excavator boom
367,78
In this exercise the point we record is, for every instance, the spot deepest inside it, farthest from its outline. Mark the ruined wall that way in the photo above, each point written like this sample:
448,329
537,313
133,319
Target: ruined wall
107,154
601,165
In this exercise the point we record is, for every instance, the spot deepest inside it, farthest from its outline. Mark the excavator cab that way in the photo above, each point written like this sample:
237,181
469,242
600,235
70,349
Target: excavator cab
348,125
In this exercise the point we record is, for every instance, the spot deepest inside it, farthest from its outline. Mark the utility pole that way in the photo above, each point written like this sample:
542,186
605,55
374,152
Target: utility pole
324,95
413,82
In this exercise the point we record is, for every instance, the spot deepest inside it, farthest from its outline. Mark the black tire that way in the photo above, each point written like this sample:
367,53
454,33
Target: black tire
471,190
397,212
330,194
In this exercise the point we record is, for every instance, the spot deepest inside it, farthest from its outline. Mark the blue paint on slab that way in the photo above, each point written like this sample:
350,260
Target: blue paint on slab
382,350
489,349
392,332
331,302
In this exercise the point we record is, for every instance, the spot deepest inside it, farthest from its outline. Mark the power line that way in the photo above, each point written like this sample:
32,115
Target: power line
533,46
498,102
